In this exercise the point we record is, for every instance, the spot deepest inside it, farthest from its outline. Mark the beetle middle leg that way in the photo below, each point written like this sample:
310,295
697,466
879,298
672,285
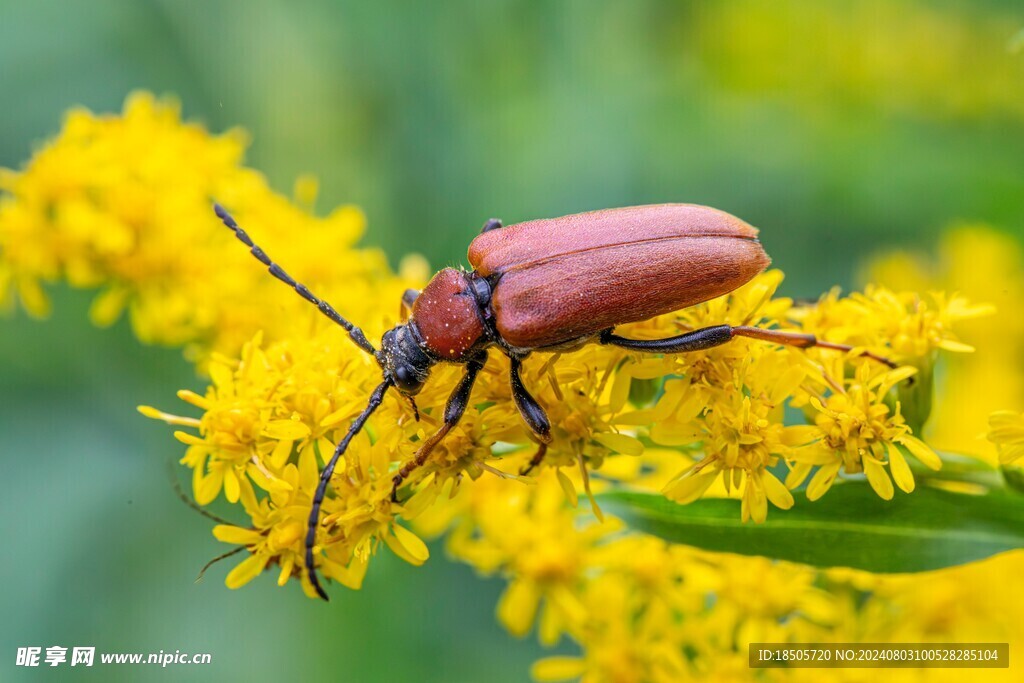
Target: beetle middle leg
533,414
708,337
453,411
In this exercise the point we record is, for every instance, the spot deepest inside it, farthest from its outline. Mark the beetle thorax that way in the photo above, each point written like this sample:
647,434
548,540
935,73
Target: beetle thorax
448,316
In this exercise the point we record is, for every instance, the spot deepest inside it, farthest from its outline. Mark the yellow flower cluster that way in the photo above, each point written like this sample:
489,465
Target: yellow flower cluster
994,380
748,419
645,611
271,416
731,399
122,204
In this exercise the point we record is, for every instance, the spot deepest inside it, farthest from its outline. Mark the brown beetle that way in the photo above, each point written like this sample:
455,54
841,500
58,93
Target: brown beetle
551,285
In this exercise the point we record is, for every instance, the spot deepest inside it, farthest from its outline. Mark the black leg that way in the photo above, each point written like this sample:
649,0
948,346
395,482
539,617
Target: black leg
707,337
533,414
325,477
453,411
354,332
492,224
698,340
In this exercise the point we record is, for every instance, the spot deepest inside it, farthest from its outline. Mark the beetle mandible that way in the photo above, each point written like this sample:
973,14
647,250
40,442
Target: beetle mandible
551,285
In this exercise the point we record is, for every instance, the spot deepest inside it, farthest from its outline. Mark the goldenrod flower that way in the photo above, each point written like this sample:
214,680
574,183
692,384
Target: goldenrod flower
860,433
742,436
1006,431
904,325
121,204
986,265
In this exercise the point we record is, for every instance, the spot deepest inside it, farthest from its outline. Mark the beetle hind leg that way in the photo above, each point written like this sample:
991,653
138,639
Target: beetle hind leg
708,337
804,341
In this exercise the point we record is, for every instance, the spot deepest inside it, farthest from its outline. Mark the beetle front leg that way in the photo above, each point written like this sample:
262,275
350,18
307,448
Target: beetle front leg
708,337
533,414
453,411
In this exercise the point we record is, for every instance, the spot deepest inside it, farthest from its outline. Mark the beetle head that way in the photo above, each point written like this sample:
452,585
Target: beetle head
403,361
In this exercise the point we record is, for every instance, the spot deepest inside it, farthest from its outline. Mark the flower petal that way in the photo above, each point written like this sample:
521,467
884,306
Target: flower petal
878,477
777,493
620,443
226,533
900,469
690,486
289,430
246,570
558,669
407,545
822,480
921,451
518,606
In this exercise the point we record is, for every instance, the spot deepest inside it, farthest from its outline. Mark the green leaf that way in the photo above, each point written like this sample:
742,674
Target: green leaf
1014,478
849,527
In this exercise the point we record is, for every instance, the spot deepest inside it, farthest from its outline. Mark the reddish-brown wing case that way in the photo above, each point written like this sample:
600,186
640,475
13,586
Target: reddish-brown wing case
571,277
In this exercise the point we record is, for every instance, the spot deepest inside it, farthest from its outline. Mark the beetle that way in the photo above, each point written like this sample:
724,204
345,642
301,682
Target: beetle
550,285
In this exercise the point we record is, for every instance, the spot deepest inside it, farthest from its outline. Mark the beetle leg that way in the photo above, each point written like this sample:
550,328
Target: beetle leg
408,299
707,337
538,458
492,224
533,414
803,341
453,411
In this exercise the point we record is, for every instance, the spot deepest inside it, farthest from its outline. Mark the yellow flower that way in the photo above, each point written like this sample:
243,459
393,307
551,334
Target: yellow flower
903,326
1006,431
861,434
986,265
532,535
741,437
95,210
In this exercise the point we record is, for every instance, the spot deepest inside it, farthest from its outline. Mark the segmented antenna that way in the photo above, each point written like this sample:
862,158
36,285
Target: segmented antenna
376,398
354,332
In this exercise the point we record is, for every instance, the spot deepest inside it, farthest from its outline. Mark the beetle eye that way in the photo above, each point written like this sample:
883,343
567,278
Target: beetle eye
406,379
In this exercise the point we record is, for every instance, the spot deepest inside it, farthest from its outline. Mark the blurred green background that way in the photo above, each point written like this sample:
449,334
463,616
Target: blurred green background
837,128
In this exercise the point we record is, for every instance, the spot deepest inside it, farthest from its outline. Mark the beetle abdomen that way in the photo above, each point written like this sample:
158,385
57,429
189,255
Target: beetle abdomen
572,277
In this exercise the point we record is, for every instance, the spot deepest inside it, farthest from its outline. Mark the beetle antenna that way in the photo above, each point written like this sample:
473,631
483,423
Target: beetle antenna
415,408
376,398
188,500
354,332
222,556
